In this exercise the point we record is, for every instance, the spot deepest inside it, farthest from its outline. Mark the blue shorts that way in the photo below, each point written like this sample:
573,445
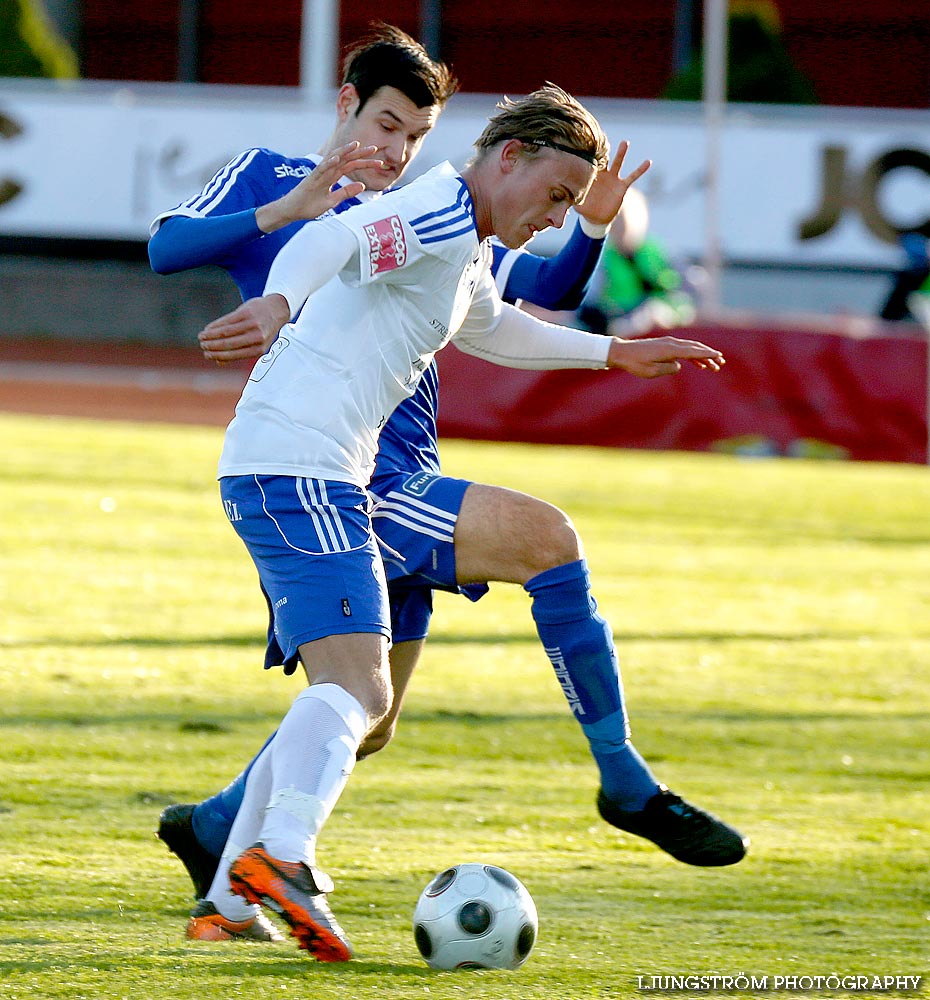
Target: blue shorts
317,558
414,517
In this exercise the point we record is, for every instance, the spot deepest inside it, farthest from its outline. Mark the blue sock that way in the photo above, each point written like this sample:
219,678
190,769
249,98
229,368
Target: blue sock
213,818
579,643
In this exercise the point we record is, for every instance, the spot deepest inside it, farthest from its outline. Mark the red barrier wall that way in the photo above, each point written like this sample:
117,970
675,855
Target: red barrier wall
856,390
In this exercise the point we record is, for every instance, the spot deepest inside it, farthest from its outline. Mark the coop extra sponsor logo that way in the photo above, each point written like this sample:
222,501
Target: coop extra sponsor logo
387,246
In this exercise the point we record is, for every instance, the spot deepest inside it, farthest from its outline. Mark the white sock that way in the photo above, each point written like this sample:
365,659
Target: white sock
244,833
312,756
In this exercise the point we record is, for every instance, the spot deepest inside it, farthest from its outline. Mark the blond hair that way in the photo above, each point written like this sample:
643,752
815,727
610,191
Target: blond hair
547,117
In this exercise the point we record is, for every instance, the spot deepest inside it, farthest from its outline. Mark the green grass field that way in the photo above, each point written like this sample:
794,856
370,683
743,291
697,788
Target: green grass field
773,621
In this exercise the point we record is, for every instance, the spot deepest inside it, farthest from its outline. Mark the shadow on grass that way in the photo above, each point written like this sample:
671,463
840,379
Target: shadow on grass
227,724
303,965
137,641
299,965
438,639
214,726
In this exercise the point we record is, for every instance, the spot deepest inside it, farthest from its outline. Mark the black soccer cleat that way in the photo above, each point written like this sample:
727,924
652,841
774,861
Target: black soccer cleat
687,833
176,829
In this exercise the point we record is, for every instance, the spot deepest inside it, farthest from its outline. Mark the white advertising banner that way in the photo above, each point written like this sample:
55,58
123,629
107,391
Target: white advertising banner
820,186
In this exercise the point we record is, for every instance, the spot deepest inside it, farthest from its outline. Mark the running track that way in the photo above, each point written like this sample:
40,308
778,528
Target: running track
117,382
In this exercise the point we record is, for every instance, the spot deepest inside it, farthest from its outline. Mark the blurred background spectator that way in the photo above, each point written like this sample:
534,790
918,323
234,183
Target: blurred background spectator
909,297
636,288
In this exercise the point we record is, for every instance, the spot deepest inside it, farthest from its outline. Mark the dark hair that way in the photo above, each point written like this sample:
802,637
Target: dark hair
389,57
547,117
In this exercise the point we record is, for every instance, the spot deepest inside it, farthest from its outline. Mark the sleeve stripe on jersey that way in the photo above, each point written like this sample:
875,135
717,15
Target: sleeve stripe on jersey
221,184
454,220
461,223
470,228
347,204
454,207
460,211
216,180
439,230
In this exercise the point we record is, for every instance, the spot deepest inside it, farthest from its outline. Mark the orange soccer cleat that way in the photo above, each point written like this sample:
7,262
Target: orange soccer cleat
298,894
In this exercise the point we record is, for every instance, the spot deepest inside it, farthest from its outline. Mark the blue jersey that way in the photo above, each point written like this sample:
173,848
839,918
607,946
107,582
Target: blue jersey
218,226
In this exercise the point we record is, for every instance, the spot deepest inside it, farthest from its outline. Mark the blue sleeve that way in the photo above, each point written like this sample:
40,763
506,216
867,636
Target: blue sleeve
182,242
557,282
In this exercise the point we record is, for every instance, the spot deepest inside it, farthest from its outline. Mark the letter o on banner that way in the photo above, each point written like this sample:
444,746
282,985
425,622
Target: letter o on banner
872,178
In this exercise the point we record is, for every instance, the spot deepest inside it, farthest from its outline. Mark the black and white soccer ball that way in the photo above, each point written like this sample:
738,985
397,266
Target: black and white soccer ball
475,916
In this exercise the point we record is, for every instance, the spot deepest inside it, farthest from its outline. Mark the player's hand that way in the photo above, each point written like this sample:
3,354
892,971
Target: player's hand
603,200
315,194
655,356
246,332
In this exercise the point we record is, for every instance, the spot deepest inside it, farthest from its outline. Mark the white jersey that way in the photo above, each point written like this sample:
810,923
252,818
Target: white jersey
412,276
315,402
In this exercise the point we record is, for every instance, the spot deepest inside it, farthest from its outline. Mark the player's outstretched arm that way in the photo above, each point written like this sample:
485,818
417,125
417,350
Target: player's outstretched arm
655,356
605,197
511,337
315,194
246,332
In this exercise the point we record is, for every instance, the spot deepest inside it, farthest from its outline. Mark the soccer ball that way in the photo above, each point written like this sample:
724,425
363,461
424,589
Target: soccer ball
475,917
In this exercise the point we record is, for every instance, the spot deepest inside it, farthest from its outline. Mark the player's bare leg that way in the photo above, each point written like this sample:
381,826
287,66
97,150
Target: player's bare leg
506,536
404,657
358,663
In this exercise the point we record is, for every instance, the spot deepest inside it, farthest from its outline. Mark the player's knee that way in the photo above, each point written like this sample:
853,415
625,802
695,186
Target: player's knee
377,739
376,695
555,540
379,702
